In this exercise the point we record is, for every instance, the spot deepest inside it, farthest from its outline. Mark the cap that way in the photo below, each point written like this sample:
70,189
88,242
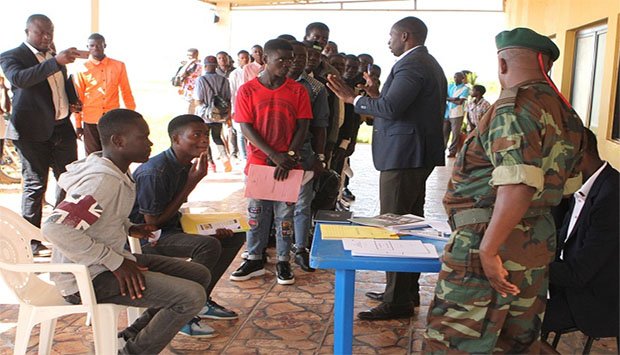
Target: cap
210,60
522,37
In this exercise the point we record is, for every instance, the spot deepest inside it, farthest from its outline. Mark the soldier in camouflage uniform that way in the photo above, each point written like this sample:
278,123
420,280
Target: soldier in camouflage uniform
491,292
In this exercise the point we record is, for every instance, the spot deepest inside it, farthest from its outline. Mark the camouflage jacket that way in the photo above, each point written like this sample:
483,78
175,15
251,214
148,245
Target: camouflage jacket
529,136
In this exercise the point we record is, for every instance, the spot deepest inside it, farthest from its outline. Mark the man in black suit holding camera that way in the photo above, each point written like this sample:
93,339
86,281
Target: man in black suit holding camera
39,126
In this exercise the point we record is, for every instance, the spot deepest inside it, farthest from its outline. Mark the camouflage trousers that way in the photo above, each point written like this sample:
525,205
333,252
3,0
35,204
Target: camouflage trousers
467,316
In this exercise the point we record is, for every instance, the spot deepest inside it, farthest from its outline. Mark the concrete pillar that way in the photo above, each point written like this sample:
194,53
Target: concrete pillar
94,16
223,27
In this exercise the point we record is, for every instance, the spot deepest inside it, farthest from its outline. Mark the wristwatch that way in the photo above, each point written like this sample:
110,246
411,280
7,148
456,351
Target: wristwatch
291,153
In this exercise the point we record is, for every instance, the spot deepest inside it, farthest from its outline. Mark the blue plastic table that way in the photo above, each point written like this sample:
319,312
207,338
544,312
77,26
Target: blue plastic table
329,254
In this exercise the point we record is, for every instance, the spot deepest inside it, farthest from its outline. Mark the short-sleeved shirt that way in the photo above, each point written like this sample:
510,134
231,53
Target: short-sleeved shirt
158,181
460,91
527,137
272,113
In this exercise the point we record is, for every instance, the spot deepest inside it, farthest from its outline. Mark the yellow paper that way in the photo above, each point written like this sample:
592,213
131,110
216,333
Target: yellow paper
191,221
331,231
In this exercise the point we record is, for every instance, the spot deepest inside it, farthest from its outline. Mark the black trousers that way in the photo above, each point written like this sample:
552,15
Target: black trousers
37,158
403,191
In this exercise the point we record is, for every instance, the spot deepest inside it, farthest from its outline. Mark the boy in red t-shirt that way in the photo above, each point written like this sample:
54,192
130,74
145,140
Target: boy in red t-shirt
274,112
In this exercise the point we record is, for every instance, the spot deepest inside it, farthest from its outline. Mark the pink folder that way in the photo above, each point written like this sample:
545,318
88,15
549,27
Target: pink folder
261,185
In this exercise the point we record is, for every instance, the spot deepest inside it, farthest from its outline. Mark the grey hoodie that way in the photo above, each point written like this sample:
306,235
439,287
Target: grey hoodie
91,224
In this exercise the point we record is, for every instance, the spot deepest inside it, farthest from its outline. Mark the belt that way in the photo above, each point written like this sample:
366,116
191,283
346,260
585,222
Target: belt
483,215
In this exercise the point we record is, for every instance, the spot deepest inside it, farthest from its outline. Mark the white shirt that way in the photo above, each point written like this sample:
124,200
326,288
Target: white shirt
580,199
396,61
235,79
56,82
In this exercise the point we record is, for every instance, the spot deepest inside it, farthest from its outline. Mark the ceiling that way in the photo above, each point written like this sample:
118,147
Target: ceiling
413,5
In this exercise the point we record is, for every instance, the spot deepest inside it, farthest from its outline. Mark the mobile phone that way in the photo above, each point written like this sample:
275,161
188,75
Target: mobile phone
368,68
83,54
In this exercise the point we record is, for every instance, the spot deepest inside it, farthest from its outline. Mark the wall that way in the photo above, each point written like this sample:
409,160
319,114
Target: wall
562,19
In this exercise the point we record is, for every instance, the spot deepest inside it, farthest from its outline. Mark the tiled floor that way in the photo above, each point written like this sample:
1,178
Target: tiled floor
296,319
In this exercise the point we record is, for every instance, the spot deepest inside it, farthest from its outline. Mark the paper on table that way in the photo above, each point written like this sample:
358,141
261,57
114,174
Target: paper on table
261,185
330,231
390,248
441,226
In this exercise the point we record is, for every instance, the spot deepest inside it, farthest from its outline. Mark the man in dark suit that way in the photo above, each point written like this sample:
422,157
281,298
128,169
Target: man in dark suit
584,277
407,143
39,125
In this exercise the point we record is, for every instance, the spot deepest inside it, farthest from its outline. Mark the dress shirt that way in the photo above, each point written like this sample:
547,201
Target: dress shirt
97,86
56,82
235,80
580,199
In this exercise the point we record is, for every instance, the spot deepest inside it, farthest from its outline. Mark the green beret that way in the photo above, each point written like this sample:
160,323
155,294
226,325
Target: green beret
526,38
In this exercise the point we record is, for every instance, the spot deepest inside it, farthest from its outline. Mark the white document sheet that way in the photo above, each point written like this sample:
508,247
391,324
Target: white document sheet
390,248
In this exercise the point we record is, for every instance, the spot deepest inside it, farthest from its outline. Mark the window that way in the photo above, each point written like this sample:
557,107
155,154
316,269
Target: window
587,74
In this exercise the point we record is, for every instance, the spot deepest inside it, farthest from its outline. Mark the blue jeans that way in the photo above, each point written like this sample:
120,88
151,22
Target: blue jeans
303,215
175,292
216,255
260,215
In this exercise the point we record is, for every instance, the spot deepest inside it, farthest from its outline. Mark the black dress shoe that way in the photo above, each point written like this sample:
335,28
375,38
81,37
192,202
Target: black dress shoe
386,311
376,296
302,258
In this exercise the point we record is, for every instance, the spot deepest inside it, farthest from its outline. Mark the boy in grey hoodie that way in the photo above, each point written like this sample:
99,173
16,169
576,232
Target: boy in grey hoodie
90,227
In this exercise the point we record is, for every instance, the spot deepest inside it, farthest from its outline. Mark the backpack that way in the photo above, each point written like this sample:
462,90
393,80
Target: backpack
218,108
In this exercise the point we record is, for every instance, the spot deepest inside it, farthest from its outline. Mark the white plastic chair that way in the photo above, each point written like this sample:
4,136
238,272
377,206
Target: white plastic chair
39,301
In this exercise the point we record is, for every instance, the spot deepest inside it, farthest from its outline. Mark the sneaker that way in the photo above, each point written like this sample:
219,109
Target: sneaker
285,275
213,310
227,166
248,270
39,249
197,330
212,167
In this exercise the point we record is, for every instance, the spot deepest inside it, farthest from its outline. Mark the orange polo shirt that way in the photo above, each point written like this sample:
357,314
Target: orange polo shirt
98,85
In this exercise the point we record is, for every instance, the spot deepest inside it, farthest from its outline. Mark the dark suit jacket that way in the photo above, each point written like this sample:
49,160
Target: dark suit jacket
33,116
409,114
588,275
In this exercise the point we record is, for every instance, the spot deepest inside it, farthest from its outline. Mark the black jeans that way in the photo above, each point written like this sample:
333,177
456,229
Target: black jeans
215,254
37,158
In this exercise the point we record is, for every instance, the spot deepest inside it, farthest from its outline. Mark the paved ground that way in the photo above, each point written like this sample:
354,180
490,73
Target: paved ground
276,319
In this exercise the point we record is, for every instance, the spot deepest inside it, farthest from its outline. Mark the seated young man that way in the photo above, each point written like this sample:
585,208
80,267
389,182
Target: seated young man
274,112
162,186
90,227
583,280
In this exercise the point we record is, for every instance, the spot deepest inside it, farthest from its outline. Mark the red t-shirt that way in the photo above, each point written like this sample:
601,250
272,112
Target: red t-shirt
272,113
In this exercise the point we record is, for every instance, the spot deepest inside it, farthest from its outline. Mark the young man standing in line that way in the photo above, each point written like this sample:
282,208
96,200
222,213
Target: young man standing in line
274,112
